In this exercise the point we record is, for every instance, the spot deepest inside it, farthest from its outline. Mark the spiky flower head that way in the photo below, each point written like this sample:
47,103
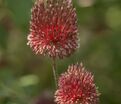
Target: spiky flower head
53,28
76,86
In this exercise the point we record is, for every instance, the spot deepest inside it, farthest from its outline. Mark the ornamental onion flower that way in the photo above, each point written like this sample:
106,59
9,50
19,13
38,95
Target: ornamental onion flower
76,86
53,28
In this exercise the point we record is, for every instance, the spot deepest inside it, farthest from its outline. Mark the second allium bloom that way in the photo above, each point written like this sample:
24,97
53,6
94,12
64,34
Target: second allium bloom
76,86
53,28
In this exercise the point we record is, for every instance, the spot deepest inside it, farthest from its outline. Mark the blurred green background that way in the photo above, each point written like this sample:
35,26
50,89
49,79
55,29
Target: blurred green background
26,78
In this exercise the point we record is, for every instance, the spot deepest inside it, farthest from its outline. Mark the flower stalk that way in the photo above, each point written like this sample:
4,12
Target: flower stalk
54,71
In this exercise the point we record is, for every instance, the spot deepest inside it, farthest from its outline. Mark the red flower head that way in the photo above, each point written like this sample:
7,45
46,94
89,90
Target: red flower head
76,86
53,28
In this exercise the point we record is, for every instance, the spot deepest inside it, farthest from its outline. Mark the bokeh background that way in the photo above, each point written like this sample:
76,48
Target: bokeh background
26,78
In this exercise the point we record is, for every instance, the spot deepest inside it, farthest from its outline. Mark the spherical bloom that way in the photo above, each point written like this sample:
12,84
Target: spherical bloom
53,28
76,86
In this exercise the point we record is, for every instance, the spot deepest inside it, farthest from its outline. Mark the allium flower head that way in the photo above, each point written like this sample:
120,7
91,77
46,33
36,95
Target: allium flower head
53,28
76,86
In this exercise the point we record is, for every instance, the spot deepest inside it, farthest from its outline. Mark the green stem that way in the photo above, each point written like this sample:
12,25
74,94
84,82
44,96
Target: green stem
54,71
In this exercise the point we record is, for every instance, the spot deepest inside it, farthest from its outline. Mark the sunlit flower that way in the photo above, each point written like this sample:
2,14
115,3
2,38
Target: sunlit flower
53,28
76,86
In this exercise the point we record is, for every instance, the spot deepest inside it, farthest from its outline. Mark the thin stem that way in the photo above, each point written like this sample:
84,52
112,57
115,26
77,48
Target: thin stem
54,71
